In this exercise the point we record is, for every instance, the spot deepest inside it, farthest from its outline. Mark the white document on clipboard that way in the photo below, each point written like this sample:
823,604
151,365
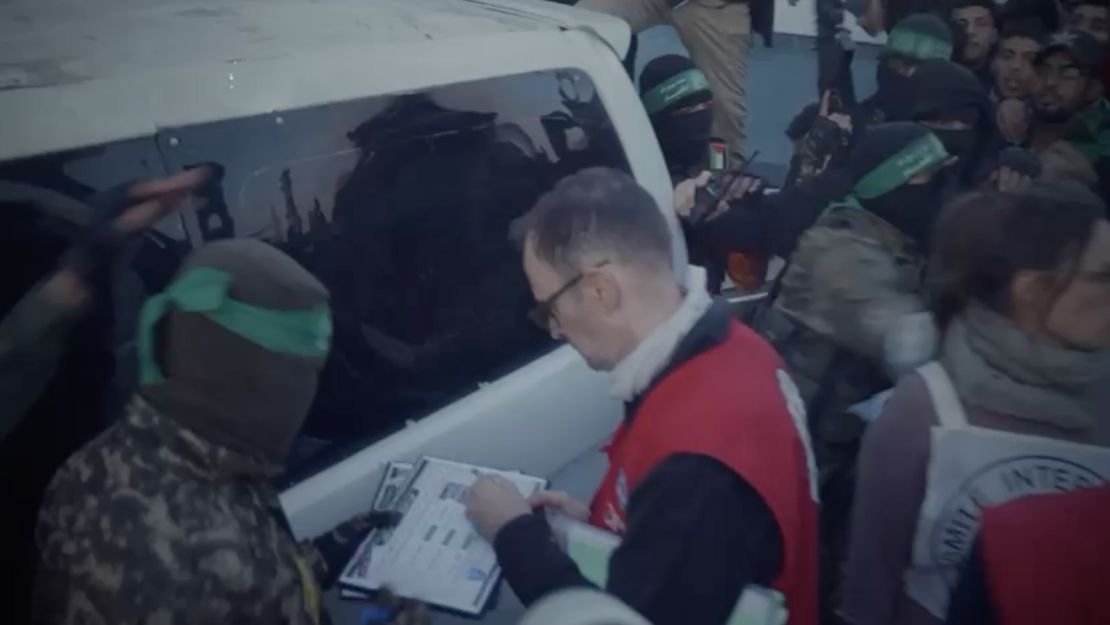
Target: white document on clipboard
434,554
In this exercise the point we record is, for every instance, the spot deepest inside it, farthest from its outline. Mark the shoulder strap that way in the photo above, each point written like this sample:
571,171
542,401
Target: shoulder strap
949,408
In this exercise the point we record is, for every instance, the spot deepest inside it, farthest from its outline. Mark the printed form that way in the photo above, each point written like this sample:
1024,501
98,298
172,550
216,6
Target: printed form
434,554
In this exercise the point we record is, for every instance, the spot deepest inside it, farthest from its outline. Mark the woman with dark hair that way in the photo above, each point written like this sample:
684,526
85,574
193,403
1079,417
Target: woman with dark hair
1015,405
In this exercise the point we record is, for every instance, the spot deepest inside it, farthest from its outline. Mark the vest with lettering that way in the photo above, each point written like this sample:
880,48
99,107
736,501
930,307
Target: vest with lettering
1047,559
972,468
735,403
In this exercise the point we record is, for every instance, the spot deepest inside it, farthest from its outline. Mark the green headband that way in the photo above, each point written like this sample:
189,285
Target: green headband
675,89
204,290
921,156
917,46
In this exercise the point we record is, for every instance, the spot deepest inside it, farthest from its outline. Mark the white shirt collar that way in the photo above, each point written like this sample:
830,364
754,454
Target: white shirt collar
635,372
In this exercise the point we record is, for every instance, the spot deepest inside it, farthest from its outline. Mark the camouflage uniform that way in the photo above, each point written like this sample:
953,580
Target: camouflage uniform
150,523
1089,133
852,277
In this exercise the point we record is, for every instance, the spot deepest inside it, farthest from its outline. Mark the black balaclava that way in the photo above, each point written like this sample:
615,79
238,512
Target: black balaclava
226,385
916,39
946,91
668,84
885,159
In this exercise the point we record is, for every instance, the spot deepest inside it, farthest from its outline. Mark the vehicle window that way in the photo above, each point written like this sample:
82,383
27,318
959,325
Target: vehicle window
48,202
402,206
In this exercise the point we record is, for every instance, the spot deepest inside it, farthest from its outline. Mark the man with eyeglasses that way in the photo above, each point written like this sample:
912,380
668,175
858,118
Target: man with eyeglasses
710,482
1068,71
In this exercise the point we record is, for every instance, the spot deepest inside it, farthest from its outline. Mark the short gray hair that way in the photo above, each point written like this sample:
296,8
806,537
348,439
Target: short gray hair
597,214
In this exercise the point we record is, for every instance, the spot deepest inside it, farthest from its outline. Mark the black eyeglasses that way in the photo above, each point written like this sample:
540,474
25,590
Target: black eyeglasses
544,310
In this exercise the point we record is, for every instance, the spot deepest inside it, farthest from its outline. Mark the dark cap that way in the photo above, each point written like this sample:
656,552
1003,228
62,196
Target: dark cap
1025,27
1085,49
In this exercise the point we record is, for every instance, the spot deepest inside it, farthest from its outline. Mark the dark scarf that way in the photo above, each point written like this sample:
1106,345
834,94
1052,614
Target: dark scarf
999,367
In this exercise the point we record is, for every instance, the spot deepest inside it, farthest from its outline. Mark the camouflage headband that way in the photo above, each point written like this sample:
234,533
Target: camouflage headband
923,155
675,89
305,333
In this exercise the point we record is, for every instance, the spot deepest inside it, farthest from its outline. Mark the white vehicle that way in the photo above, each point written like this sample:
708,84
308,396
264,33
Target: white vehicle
386,144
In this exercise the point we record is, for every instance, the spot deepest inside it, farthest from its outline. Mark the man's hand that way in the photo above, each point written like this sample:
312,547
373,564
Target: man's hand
125,212
561,502
1012,117
685,194
151,200
737,187
492,502
842,120
1011,181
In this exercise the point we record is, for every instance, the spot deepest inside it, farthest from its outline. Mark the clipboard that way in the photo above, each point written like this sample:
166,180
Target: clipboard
434,554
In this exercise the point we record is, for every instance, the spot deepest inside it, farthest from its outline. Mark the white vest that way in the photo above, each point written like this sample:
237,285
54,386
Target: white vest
971,468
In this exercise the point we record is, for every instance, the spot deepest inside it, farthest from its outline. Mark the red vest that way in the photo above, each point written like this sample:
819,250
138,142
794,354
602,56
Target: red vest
1047,558
730,403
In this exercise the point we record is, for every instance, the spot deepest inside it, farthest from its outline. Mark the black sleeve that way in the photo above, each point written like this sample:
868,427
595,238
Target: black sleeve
970,603
697,535
772,224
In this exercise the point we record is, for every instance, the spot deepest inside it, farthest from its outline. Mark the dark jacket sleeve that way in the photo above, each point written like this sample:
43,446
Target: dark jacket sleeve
697,535
33,338
772,224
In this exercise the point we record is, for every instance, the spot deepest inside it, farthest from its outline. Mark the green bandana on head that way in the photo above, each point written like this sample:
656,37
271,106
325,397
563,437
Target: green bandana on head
203,290
923,155
917,46
675,89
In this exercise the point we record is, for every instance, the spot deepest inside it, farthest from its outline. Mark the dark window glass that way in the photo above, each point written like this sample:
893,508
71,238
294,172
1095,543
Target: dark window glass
402,206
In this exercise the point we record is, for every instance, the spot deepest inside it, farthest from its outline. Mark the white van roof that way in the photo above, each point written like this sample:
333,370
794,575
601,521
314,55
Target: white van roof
74,72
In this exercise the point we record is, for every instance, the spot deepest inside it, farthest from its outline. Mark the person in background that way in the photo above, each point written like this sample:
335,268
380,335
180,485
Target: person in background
953,105
826,142
34,333
170,515
1068,80
1012,580
917,38
718,35
704,511
1091,17
679,103
1015,79
976,23
1019,288
855,276
1012,67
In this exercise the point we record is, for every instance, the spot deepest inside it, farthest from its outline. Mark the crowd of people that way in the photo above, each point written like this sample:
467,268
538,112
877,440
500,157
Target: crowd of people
909,428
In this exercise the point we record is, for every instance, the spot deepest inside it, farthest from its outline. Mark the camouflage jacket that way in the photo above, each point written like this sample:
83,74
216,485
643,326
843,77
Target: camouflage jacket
151,524
851,278
1089,131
